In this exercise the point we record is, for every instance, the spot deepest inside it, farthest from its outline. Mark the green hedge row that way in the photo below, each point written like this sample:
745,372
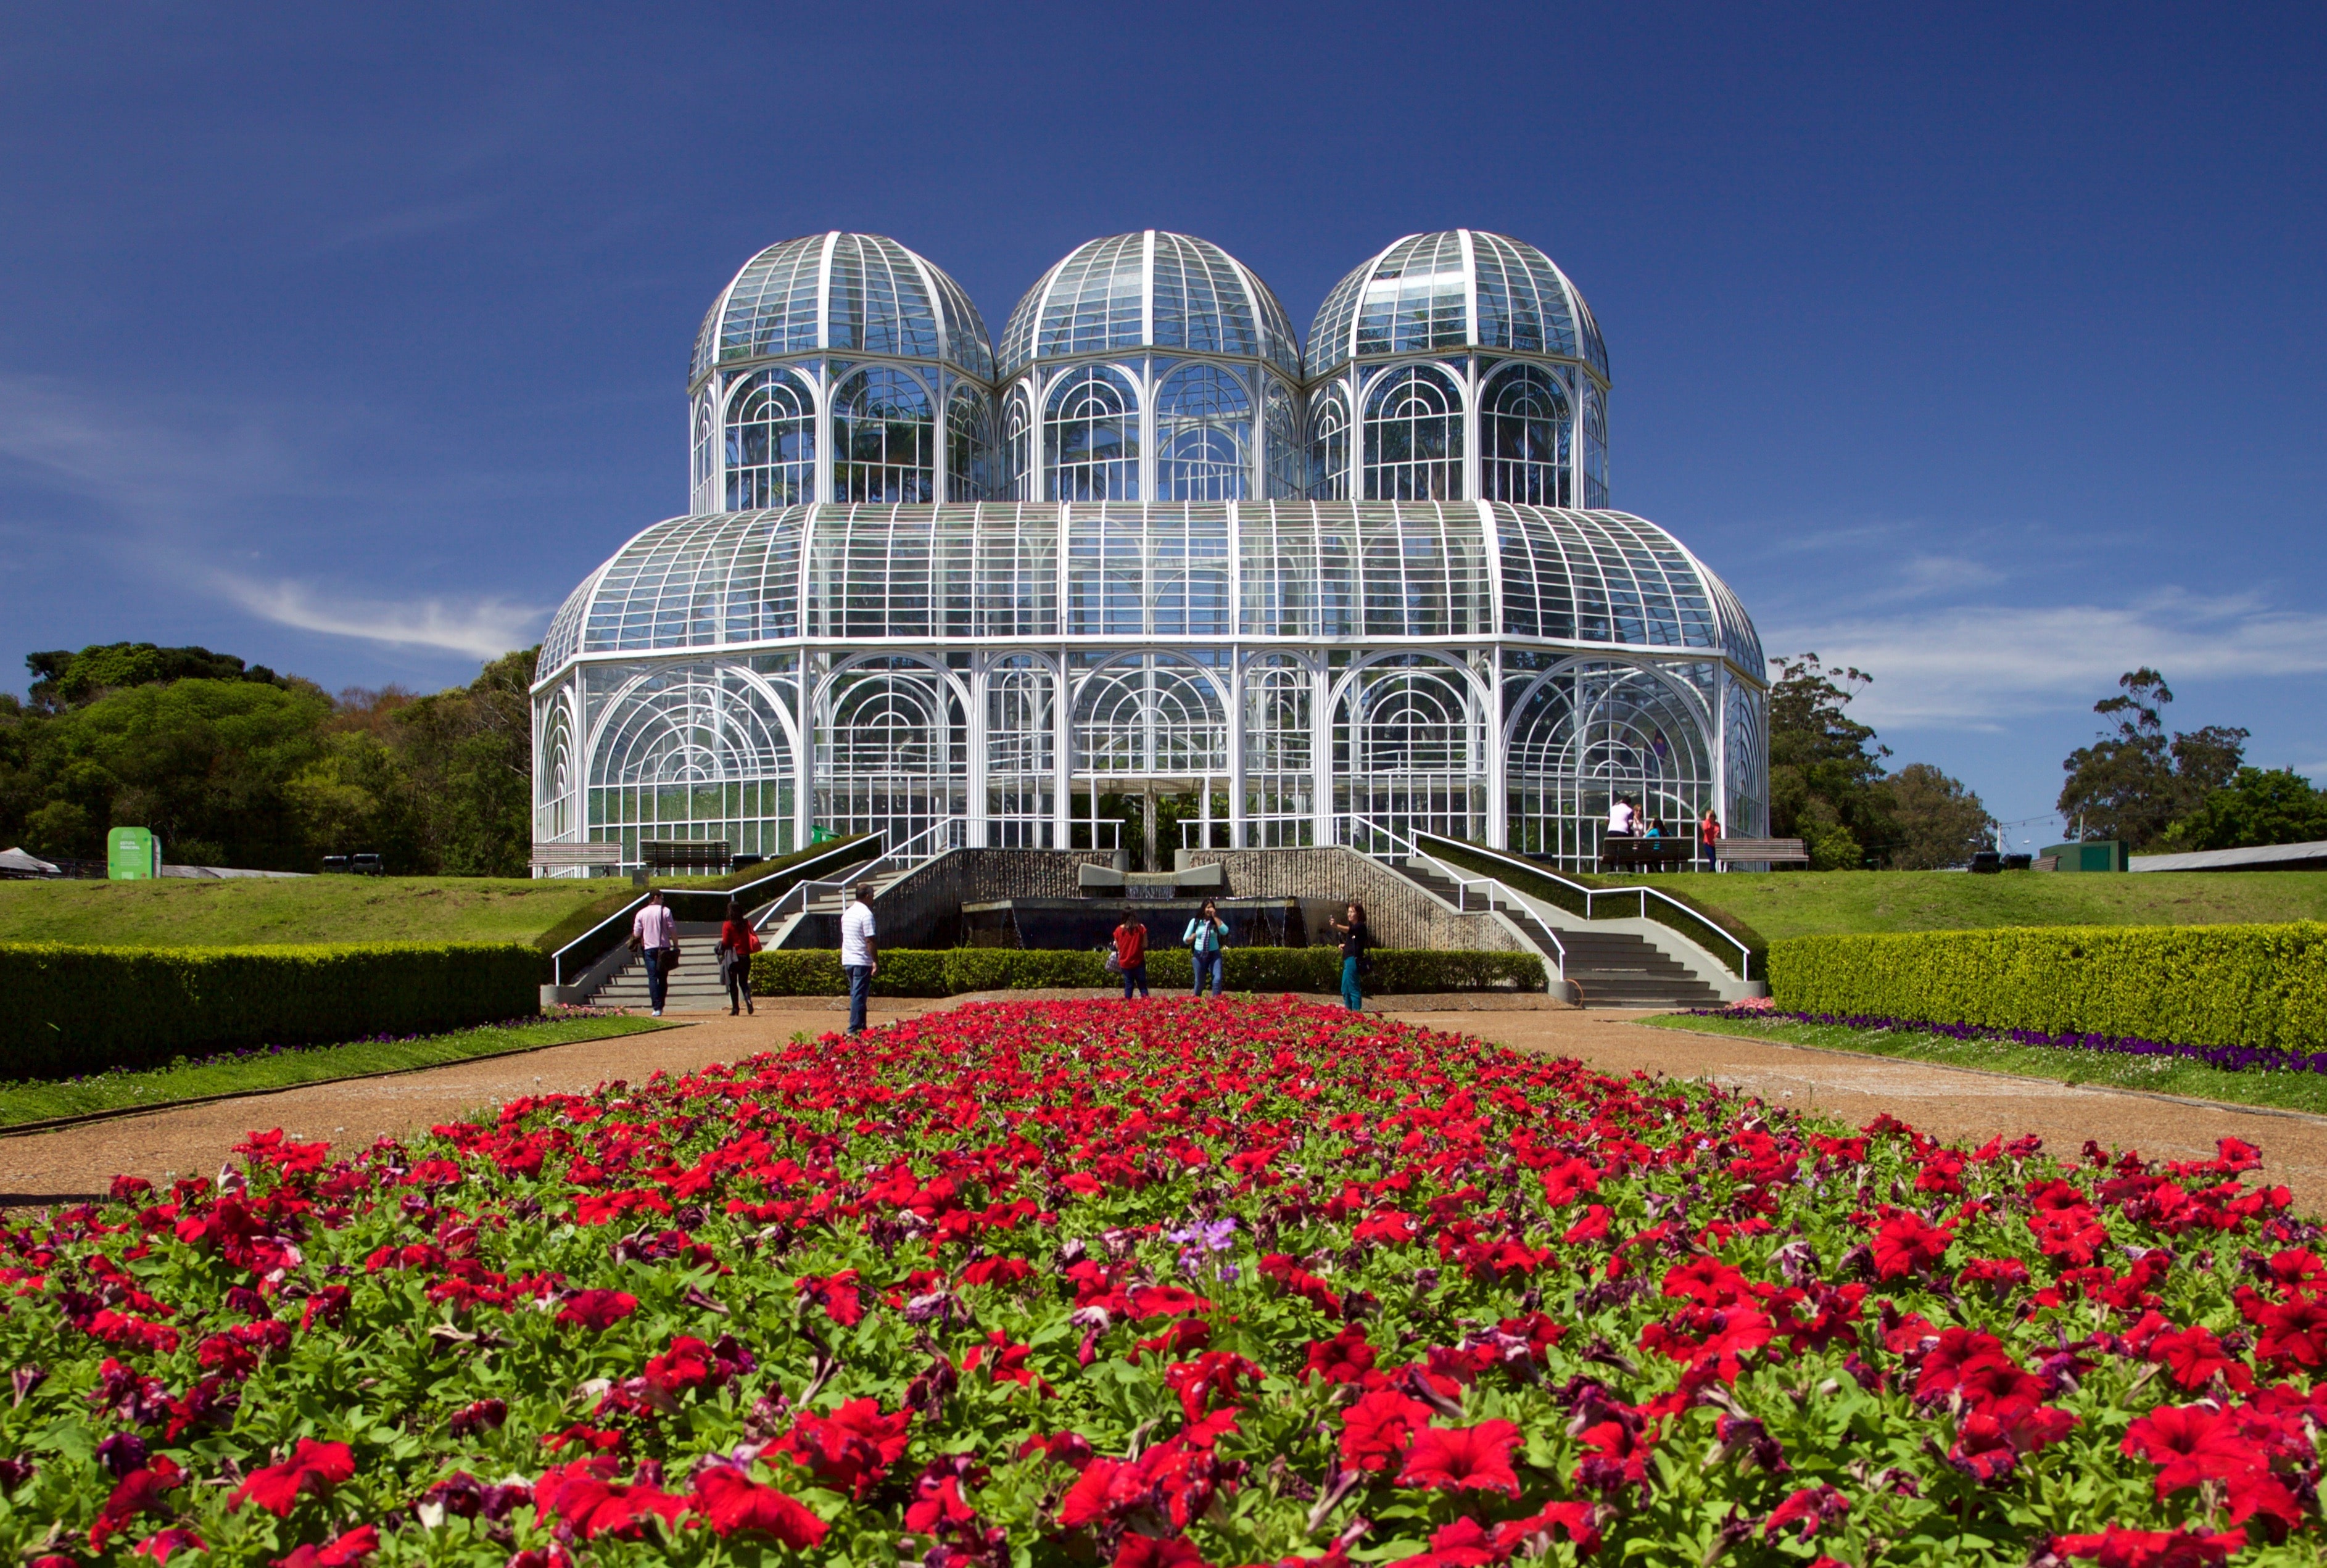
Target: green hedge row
75,1010
2241,985
904,972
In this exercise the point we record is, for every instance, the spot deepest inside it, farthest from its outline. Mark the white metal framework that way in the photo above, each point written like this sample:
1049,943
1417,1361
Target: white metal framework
1148,549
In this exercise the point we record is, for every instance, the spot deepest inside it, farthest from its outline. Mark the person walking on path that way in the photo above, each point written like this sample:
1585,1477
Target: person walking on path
655,936
1709,834
1203,937
737,942
860,955
1131,952
1356,938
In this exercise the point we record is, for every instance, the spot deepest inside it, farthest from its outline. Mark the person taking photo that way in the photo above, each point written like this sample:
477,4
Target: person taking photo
1205,936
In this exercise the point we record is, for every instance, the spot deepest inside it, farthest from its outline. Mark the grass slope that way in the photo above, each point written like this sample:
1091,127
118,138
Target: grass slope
1784,904
175,912
39,1102
2292,1091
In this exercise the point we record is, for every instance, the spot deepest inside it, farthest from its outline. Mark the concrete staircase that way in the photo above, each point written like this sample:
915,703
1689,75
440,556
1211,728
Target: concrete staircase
1607,968
818,925
693,985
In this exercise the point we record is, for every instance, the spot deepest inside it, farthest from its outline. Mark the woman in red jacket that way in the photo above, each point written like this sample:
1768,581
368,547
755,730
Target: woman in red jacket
1131,952
737,942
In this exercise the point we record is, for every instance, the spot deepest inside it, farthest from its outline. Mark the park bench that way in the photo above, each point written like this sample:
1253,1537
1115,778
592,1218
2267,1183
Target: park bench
1761,851
685,854
1644,854
566,857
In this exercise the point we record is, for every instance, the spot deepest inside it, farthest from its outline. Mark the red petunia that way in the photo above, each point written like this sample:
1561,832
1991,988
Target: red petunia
1569,1180
1149,1552
852,1448
313,1467
584,1496
1463,1458
2193,1443
1908,1244
1376,1429
161,1543
2116,1547
2195,1357
597,1310
342,1551
1806,1512
733,1504
1346,1358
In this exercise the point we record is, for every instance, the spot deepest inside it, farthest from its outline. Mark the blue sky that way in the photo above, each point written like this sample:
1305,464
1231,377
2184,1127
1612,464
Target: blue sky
1978,348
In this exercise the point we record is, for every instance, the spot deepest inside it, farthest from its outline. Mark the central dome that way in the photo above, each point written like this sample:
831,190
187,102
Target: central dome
1149,290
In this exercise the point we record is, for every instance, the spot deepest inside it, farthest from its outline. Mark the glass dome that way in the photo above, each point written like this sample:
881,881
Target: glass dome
1153,289
1445,293
853,293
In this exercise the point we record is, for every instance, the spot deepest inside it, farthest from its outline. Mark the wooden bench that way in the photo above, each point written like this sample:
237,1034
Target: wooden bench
566,856
1643,855
1762,851
685,854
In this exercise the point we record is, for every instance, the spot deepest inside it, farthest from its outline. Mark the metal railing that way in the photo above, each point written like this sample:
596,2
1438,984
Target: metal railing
946,833
1376,832
586,949
1617,898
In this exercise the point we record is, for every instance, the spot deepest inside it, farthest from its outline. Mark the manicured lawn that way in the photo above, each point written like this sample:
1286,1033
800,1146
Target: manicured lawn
2294,1091
175,912
242,1073
1782,904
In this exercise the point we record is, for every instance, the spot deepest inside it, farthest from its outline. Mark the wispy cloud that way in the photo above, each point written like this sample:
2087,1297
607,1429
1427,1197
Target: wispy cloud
141,465
481,627
1978,666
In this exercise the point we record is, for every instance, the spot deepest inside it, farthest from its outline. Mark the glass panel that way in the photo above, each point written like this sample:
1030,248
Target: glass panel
771,442
1414,437
1090,437
884,439
1203,435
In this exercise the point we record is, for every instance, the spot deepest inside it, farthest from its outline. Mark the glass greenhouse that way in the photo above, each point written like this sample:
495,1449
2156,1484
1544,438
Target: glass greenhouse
1151,550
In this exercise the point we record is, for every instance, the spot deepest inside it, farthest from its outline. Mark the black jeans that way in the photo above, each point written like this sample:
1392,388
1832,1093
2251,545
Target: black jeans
739,983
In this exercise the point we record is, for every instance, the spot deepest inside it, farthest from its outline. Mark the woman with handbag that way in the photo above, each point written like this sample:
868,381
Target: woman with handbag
1204,936
1356,940
737,942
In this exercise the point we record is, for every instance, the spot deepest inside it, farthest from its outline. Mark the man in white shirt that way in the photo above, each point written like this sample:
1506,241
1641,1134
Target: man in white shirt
656,935
859,955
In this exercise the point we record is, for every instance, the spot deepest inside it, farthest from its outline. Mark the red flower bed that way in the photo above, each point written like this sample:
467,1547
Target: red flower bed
1166,1284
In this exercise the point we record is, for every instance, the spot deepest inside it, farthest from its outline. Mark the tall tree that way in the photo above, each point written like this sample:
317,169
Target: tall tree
1826,767
2255,808
1940,823
2131,783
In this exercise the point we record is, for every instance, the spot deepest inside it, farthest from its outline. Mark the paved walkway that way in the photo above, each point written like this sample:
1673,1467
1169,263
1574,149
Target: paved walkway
1946,1102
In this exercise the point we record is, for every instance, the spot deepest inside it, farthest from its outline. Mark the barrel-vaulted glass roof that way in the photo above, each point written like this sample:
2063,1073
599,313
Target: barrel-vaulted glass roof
855,292
1252,571
1445,293
1156,290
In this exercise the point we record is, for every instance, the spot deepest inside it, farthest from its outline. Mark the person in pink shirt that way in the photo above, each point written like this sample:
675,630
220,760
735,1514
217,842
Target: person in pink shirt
654,935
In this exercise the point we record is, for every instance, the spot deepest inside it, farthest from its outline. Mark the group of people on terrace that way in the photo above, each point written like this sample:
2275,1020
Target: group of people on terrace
1626,820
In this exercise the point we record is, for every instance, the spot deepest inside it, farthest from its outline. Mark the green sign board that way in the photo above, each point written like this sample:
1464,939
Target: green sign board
131,854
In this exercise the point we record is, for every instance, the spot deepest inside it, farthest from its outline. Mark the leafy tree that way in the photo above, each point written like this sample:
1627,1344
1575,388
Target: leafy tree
62,679
469,754
2255,808
1825,768
2132,784
1940,822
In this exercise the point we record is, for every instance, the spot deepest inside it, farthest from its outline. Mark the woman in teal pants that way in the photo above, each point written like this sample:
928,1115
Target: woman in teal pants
1356,938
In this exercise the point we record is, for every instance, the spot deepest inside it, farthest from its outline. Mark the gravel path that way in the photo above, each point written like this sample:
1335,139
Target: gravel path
76,1163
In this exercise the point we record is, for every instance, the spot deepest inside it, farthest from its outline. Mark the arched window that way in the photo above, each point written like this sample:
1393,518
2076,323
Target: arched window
1203,436
700,498
1284,461
1021,698
1328,447
1017,455
1091,438
1279,738
884,439
1150,714
1414,437
1590,733
890,750
1596,450
970,446
1410,748
1524,430
770,443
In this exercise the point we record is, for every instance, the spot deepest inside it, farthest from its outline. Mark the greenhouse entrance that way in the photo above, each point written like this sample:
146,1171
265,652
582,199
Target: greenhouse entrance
1150,818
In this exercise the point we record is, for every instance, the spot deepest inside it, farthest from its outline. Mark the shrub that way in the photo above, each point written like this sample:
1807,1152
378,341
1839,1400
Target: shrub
2257,986
908,972
75,1010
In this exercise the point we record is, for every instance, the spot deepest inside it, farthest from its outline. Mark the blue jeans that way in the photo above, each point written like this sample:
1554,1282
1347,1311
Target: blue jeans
658,976
860,986
1203,963
1350,994
1134,975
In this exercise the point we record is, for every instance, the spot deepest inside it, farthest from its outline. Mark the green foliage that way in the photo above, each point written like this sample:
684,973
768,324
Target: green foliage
2255,808
1940,822
77,1010
2132,783
906,971
62,679
2252,985
1825,768
243,912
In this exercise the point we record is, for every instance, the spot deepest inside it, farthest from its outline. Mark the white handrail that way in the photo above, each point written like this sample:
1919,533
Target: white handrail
1461,883
905,857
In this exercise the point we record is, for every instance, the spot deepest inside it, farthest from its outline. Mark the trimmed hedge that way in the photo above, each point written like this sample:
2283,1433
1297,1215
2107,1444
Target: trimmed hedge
75,1010
2236,985
906,972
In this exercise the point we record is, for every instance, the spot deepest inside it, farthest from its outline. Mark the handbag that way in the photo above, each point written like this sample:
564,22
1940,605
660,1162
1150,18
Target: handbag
1114,962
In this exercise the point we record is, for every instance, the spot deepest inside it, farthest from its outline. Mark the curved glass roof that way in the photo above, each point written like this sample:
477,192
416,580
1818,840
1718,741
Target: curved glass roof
1459,289
858,293
1149,290
1304,570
